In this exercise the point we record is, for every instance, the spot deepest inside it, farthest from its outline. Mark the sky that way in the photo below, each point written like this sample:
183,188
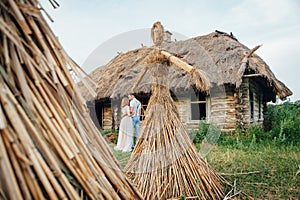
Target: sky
93,32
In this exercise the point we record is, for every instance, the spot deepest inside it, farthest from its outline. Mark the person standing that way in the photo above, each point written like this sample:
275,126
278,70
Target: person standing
135,111
125,137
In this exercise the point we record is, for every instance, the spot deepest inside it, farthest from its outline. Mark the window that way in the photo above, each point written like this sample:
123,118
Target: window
251,99
259,107
198,105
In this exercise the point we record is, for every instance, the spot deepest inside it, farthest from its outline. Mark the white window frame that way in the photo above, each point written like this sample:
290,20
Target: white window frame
206,109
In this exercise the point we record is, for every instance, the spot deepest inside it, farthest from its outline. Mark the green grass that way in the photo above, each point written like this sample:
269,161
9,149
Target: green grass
104,132
272,168
121,156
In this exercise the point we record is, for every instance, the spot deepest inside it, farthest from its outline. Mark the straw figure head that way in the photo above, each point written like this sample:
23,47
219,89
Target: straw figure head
157,33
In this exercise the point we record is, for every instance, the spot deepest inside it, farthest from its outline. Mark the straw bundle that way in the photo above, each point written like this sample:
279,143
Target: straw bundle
198,76
164,163
49,147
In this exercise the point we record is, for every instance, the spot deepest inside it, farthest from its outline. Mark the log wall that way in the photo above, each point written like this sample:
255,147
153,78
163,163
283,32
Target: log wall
183,105
222,108
227,107
242,105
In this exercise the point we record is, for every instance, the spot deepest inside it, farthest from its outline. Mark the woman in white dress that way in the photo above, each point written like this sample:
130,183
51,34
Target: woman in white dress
125,138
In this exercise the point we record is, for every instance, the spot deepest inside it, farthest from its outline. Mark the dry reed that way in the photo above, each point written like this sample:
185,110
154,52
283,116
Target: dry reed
165,164
49,147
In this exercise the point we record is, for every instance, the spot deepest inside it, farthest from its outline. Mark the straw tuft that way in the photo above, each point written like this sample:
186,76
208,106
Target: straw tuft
156,57
200,80
49,146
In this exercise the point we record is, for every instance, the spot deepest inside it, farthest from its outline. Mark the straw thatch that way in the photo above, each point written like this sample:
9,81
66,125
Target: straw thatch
198,76
164,163
218,54
49,147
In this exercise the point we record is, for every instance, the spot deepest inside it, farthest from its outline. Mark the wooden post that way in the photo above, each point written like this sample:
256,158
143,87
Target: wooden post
244,64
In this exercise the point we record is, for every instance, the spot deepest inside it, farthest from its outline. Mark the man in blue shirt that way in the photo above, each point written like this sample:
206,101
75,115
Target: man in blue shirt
135,112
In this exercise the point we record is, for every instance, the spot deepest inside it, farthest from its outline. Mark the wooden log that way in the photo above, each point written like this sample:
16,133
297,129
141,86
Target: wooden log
244,65
198,76
251,75
178,62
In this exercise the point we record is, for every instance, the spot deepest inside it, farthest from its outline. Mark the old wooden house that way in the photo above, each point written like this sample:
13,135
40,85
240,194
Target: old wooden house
241,83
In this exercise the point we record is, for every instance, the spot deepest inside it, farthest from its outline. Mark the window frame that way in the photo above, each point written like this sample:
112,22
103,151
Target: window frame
199,102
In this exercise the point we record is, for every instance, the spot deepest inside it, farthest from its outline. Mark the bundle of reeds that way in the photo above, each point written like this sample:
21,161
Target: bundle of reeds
165,164
49,147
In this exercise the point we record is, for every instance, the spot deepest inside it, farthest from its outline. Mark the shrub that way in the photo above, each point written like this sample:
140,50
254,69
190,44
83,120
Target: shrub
283,122
208,132
258,133
281,126
199,134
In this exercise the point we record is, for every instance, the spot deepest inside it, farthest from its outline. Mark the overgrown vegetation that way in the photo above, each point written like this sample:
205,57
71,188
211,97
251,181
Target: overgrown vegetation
283,122
262,162
281,127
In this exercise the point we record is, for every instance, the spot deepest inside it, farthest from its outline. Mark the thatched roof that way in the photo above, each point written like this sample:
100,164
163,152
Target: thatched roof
49,146
218,54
